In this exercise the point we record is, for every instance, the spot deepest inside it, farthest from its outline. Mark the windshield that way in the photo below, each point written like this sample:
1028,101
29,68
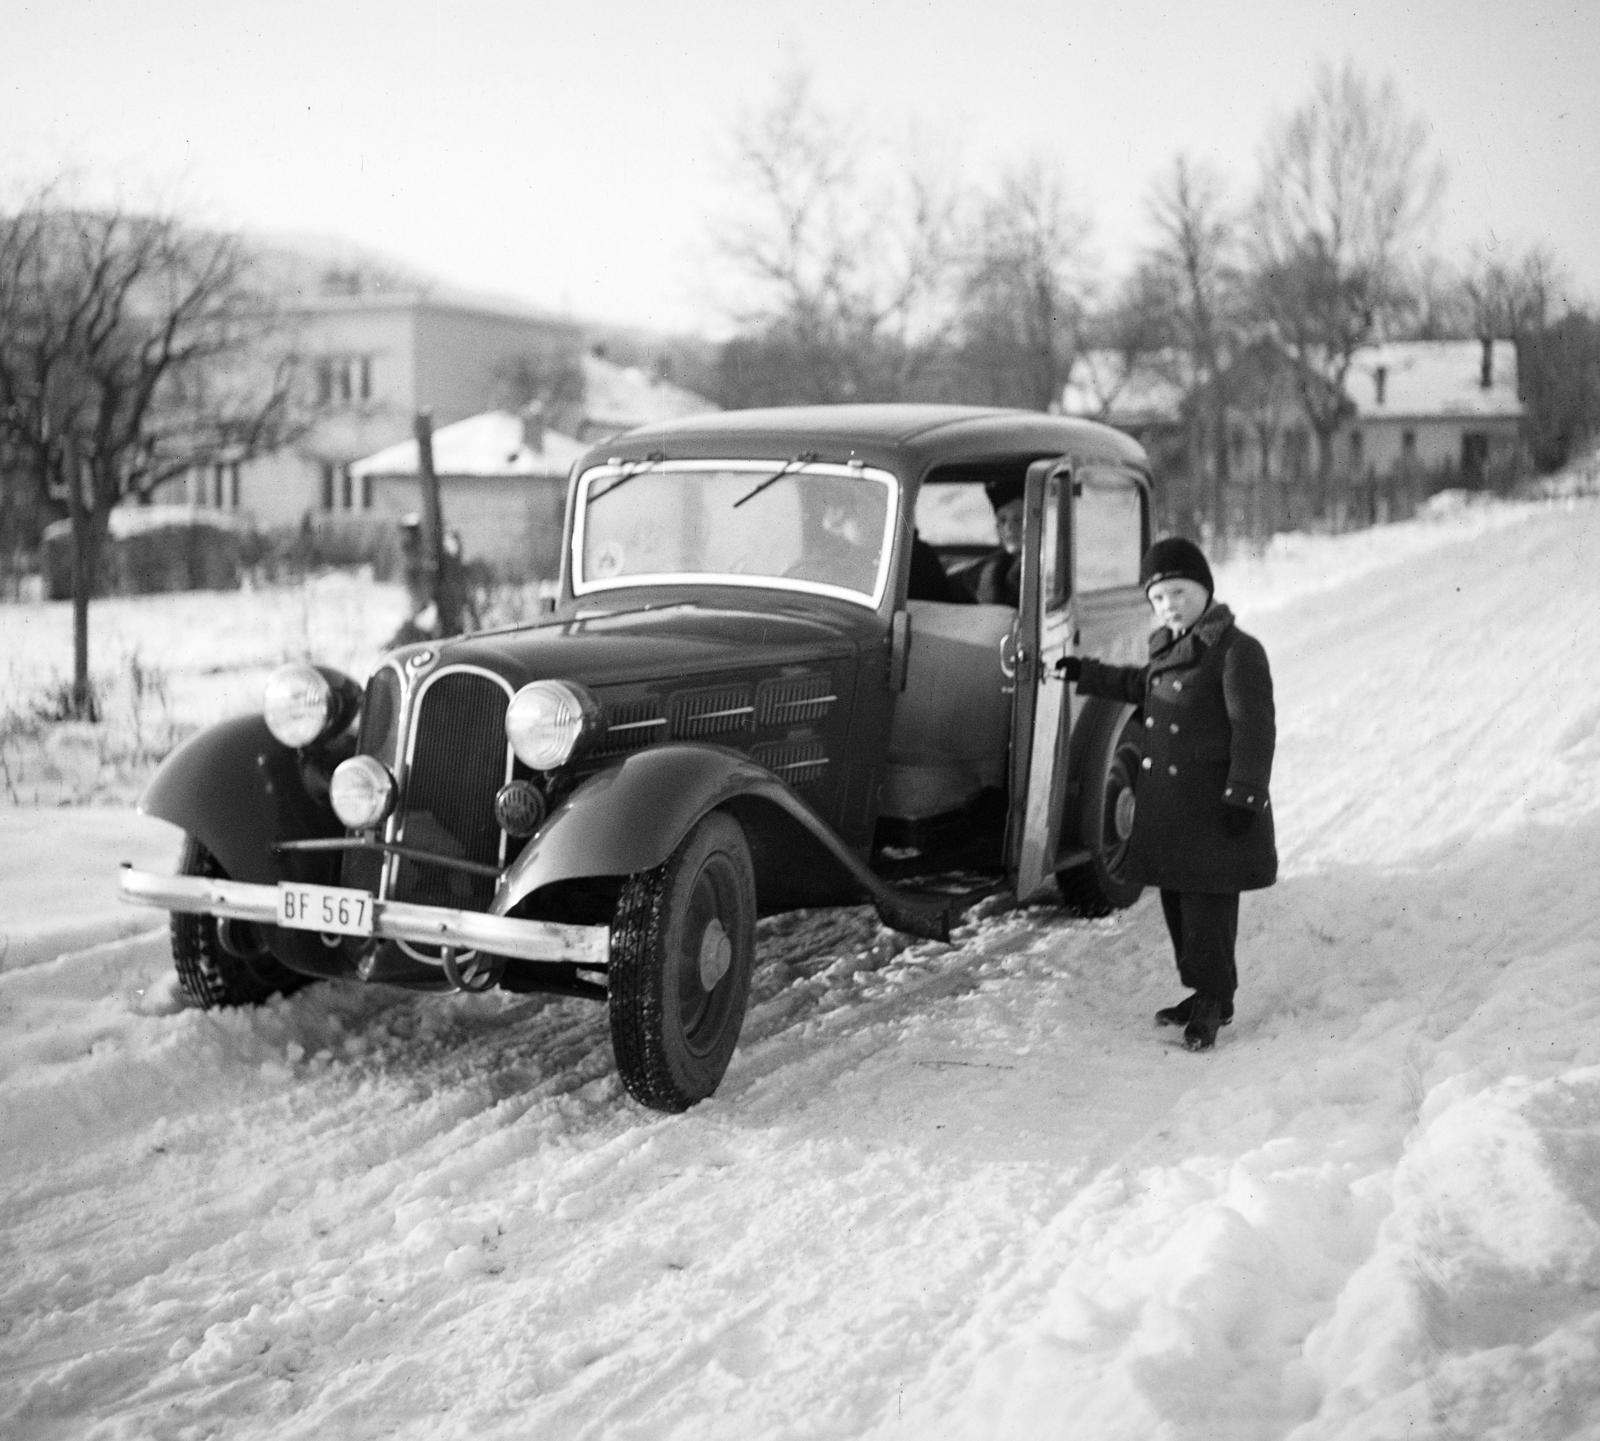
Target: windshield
800,526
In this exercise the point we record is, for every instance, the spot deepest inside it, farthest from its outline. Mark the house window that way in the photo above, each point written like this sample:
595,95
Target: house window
1408,444
327,484
1296,454
224,485
343,379
1474,456
1358,451
346,498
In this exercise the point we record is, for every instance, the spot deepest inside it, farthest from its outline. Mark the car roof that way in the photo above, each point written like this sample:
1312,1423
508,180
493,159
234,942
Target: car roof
888,435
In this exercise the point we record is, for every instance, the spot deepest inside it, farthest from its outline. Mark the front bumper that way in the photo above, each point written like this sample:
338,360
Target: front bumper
523,940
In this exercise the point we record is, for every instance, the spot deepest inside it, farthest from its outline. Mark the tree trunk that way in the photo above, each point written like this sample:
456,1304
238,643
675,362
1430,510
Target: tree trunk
84,550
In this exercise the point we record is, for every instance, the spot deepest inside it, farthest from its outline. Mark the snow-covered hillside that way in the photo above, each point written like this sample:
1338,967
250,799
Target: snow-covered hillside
947,1191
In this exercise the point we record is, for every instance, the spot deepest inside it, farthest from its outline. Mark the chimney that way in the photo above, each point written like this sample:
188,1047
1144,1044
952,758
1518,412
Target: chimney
1380,381
533,427
1486,365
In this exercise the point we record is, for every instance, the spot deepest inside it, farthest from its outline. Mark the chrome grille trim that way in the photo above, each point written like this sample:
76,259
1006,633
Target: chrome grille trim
794,700
631,725
797,762
726,710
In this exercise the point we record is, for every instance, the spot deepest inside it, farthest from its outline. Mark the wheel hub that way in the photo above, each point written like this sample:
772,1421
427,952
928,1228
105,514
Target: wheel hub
1122,817
716,954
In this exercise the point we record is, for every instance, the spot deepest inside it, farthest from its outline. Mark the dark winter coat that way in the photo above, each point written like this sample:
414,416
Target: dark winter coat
1209,734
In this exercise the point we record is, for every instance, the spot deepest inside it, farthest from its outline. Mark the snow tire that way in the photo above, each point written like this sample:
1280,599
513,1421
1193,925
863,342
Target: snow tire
211,976
683,940
1110,775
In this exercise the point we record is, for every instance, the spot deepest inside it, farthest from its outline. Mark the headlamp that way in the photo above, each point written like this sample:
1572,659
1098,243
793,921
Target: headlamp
304,703
362,792
547,720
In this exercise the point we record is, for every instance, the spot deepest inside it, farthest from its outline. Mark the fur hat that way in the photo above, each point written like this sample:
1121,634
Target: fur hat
1175,559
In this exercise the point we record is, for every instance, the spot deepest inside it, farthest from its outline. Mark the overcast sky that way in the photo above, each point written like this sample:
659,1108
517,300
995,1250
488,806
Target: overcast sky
575,154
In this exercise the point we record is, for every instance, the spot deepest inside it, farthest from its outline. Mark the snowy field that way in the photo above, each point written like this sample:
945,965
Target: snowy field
946,1191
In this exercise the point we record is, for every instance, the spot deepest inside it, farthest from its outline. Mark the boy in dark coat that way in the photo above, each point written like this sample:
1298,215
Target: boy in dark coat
1202,824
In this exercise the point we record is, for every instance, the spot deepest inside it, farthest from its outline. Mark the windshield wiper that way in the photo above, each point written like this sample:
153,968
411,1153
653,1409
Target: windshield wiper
633,468
806,457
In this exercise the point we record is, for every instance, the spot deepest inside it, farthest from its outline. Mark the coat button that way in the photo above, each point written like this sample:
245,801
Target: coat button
1177,685
1148,762
1173,727
1149,722
1172,770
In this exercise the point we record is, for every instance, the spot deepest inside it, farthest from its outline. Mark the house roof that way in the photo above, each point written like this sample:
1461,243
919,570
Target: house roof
1434,378
491,444
1422,379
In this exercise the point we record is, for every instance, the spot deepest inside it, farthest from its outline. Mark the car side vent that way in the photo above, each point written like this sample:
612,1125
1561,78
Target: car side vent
794,700
798,762
631,725
725,710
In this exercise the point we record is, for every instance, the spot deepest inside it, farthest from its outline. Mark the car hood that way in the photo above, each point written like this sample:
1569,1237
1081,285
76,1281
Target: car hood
628,646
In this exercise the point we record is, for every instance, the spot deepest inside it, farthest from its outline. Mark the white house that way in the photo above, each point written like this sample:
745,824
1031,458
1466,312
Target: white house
372,360
502,488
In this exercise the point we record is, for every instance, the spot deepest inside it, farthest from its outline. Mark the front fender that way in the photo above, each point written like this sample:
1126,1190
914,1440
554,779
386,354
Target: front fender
631,817
239,792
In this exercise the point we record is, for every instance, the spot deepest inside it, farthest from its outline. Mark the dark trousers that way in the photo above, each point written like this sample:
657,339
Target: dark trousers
1204,929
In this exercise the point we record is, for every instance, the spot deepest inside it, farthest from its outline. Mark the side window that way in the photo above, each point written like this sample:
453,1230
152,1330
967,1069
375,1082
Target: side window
1109,516
1054,554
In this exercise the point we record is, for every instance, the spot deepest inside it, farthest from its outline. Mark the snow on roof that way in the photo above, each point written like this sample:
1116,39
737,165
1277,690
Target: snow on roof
624,396
128,520
1423,378
491,444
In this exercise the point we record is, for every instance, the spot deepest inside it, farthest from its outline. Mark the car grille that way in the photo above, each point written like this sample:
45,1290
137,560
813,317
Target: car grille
459,758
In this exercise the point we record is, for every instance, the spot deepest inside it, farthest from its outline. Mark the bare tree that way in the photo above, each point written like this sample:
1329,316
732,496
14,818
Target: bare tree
132,349
1511,297
1193,270
841,259
1025,290
1347,186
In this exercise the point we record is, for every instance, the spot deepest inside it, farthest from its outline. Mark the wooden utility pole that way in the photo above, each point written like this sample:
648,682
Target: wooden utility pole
438,572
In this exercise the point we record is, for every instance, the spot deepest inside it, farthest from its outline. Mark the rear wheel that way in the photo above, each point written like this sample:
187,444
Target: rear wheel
241,972
683,942
1106,803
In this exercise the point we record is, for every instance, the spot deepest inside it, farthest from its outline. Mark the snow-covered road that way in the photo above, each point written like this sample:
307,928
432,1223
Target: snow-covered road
946,1191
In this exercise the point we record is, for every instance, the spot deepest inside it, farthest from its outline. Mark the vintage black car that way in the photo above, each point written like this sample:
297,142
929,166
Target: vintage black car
753,695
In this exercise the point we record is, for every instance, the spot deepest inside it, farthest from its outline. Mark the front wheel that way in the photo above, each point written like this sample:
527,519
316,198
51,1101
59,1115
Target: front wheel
217,968
683,942
1106,804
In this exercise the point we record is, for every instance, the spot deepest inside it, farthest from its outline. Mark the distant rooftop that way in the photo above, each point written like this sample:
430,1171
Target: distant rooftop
495,443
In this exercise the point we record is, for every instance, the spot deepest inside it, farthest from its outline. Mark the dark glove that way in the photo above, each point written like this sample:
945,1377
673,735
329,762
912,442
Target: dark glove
1236,820
1069,668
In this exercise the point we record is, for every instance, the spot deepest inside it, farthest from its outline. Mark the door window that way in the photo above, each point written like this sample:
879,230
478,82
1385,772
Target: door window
1109,517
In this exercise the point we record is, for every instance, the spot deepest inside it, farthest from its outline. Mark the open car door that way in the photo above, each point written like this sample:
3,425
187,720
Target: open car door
1042,720
1086,525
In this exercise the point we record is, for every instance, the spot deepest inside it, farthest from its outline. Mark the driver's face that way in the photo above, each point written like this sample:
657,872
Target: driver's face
840,519
1008,526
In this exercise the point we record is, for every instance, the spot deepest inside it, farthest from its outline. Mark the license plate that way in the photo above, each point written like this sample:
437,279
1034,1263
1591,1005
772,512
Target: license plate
335,909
